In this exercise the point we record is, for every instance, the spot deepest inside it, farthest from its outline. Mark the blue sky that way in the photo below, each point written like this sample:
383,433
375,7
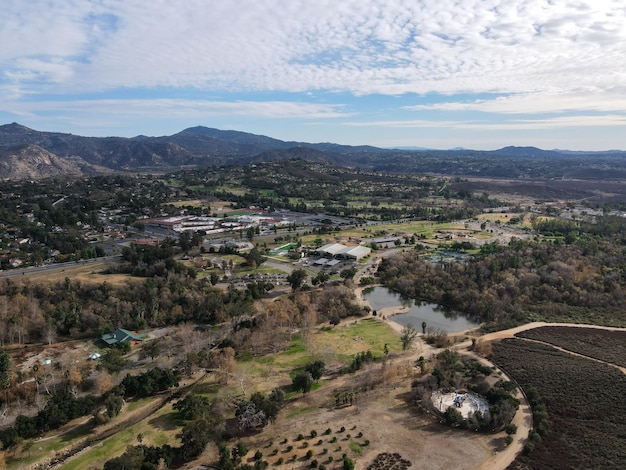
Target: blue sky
478,74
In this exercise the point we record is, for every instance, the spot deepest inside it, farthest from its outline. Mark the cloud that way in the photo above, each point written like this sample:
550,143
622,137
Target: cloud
588,121
179,107
610,100
361,47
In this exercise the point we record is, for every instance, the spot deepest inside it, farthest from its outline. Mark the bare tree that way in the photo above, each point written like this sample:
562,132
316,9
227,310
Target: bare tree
407,336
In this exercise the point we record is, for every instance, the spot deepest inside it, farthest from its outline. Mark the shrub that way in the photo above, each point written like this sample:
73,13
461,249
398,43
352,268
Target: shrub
510,429
314,433
258,455
308,455
328,431
508,440
313,463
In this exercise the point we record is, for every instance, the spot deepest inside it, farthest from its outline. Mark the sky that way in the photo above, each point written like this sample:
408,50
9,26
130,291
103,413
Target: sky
480,74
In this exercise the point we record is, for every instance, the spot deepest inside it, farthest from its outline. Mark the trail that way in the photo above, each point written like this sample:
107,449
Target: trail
523,418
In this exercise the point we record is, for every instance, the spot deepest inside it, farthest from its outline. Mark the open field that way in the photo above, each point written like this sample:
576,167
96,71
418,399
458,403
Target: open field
586,415
86,273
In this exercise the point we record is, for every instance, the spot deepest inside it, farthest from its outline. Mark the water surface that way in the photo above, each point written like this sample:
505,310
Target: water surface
436,316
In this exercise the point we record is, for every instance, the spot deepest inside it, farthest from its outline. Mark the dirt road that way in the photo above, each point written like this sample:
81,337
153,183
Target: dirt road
523,418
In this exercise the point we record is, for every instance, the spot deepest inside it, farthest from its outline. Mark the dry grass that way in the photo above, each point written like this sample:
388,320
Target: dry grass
86,273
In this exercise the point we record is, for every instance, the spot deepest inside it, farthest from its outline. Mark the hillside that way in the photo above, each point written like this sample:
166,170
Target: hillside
203,147
33,162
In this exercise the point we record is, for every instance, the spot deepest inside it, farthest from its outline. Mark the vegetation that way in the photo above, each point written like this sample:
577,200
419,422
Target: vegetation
578,423
568,270
524,280
605,345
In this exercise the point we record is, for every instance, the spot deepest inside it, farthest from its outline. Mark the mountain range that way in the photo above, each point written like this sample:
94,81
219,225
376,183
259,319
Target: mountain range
28,153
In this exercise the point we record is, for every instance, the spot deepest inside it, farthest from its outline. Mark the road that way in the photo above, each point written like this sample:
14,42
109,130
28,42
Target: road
50,268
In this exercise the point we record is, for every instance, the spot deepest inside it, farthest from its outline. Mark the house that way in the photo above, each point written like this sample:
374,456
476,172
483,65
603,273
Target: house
120,336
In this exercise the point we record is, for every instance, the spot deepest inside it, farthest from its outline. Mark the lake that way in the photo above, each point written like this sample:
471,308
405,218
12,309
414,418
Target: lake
434,315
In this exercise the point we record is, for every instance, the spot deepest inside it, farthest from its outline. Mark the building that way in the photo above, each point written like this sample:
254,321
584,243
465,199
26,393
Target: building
120,336
337,250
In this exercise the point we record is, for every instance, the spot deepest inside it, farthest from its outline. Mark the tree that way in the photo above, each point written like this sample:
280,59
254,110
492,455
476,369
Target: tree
407,336
303,381
348,273
193,406
424,325
296,278
113,361
5,370
249,416
321,278
348,464
150,349
316,369
194,437
113,405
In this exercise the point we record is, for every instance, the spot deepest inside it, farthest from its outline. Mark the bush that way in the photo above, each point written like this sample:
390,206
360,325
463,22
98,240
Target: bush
313,463
258,455
328,431
308,455
510,429
314,433
508,440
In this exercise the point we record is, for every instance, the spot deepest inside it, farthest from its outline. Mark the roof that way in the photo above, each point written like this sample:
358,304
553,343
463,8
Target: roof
357,251
332,249
119,336
335,249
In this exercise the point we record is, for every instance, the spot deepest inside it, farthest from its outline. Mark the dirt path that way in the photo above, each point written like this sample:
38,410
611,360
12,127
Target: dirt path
523,418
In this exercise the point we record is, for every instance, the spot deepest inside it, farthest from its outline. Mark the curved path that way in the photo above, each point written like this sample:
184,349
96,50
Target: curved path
523,419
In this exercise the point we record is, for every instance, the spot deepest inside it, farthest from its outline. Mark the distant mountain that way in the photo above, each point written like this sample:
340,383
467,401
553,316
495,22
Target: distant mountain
26,152
512,151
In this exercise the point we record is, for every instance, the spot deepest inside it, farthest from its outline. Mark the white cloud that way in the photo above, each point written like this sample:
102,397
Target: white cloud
586,99
178,107
540,53
588,121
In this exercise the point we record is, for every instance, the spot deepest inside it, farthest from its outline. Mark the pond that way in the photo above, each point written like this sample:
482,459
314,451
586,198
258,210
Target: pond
435,316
